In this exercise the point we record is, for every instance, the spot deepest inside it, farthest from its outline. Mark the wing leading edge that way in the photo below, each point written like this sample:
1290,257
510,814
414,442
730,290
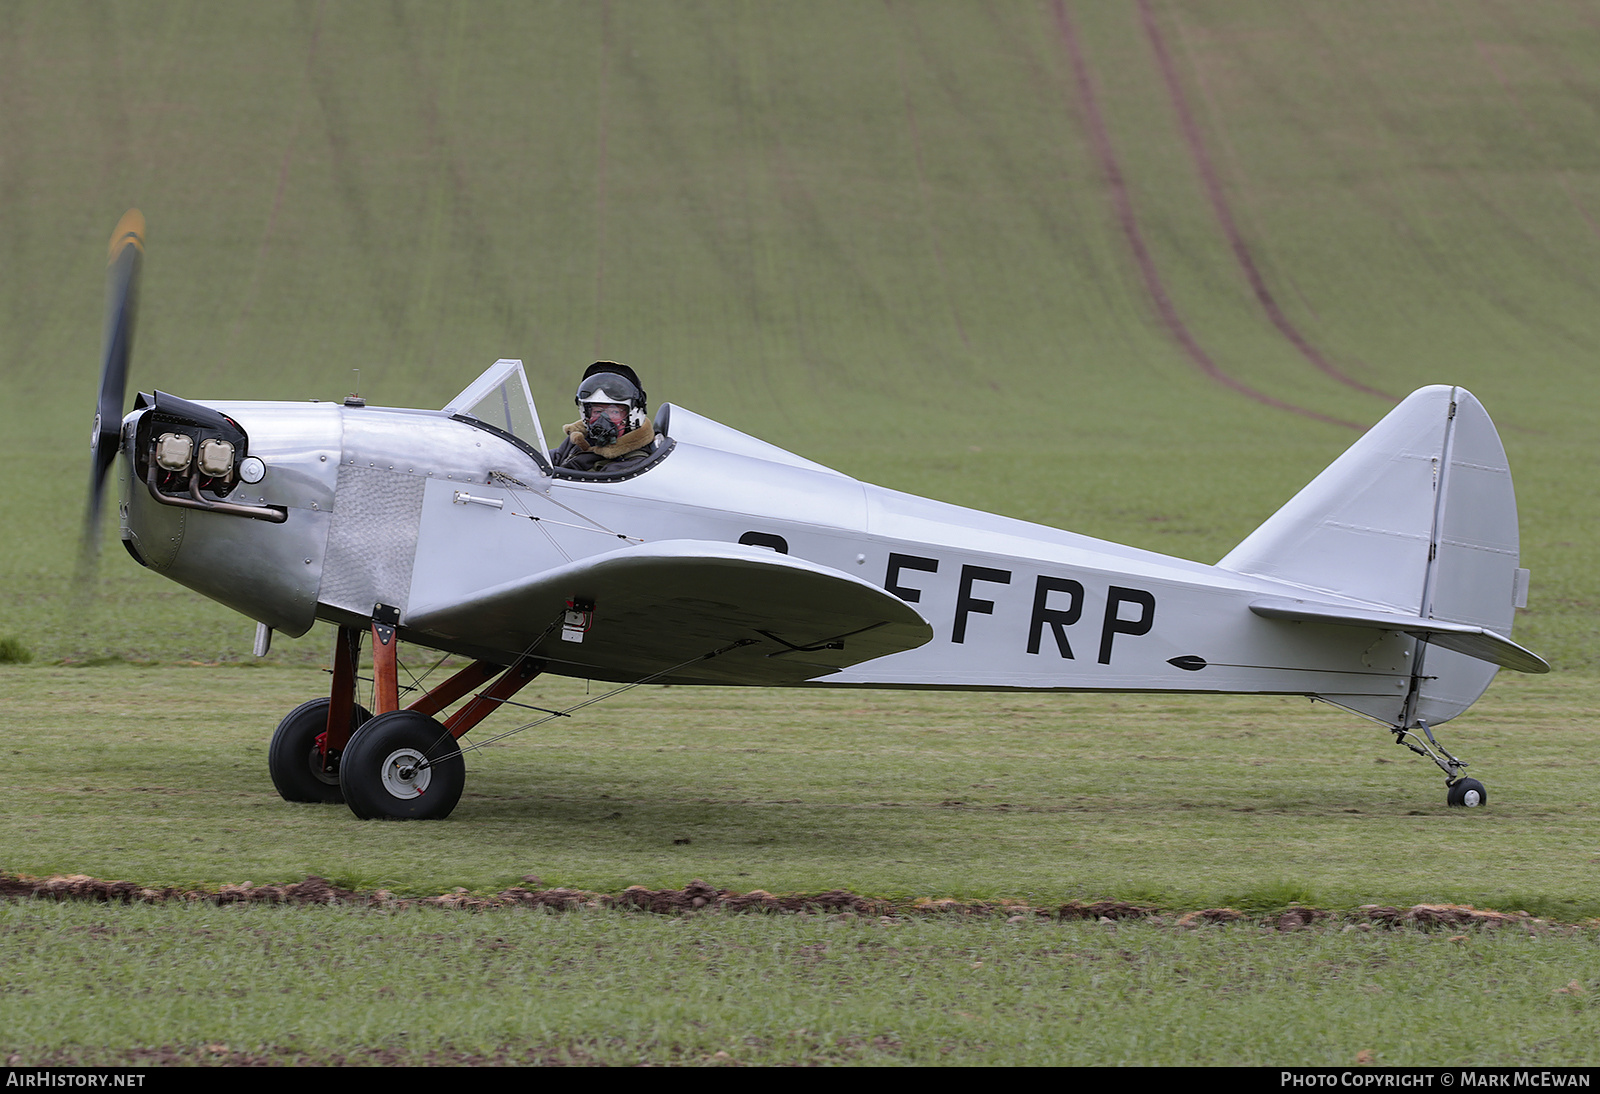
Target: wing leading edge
657,605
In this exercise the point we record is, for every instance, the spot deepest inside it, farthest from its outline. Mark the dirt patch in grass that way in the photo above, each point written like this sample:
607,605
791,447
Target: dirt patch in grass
699,896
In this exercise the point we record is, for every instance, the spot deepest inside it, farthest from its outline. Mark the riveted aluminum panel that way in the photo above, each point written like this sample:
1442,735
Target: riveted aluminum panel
391,459
373,539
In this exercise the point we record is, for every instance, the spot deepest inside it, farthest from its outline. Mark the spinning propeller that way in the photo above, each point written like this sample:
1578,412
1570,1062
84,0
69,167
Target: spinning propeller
122,305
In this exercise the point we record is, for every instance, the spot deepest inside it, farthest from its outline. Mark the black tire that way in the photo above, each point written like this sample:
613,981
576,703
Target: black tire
1468,793
379,771
292,756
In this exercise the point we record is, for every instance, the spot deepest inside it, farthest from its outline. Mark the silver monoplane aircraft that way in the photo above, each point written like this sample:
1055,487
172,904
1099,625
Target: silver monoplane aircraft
1387,586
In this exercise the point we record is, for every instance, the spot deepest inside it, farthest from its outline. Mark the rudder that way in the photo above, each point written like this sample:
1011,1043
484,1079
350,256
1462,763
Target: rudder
1418,517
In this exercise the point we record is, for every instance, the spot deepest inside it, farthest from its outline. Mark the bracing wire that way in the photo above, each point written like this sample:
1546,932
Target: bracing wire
592,700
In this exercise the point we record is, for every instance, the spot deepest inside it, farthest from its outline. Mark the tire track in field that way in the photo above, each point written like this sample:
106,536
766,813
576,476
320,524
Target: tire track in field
1166,310
1224,213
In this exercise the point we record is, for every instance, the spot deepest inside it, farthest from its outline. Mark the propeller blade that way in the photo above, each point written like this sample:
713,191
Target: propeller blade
122,305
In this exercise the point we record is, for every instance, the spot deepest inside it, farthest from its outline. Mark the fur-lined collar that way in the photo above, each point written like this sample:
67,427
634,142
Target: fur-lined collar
630,441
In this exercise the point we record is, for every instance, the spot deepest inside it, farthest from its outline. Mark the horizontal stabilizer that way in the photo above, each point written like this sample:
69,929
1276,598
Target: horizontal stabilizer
657,605
1477,642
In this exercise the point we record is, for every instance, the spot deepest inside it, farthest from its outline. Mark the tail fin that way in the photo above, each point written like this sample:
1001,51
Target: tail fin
1418,518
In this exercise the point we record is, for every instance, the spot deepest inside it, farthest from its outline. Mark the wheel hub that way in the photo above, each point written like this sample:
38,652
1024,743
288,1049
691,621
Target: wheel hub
406,774
329,775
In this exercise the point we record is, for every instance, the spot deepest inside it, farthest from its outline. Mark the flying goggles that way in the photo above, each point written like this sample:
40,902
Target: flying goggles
609,387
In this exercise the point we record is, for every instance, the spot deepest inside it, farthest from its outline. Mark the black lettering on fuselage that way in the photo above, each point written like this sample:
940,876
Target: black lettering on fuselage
891,579
1059,619
966,603
1114,624
1049,607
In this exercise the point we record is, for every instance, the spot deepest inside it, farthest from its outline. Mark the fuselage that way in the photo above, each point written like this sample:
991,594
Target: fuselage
412,507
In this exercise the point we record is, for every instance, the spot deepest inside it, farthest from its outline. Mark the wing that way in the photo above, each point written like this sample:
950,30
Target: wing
657,605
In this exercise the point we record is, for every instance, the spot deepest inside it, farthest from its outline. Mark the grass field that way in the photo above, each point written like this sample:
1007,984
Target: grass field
293,985
1175,803
1183,802
1183,251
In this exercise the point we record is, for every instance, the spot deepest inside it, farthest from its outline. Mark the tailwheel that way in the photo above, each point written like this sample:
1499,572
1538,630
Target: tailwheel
1466,792
296,758
1462,790
402,766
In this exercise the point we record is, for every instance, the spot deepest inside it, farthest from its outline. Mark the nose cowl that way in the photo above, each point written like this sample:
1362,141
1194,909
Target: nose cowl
233,500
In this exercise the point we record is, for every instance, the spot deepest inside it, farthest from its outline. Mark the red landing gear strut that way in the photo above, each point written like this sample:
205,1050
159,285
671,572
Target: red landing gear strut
392,762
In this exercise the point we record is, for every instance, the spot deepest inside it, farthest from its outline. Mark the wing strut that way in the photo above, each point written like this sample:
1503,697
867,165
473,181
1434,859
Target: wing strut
551,716
406,764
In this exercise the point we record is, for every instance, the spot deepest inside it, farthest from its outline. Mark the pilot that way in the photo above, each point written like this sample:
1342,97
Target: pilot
614,432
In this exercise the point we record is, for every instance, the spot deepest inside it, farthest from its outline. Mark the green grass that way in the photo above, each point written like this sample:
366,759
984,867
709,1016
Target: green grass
158,775
201,984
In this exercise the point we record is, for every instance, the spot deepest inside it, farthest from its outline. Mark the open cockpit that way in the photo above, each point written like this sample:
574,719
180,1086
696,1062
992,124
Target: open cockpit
500,401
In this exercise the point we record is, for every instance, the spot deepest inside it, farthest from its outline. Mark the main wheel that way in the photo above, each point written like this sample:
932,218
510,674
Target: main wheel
1467,792
293,758
402,766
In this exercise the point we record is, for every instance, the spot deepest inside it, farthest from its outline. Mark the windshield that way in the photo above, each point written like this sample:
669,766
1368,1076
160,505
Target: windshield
500,398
